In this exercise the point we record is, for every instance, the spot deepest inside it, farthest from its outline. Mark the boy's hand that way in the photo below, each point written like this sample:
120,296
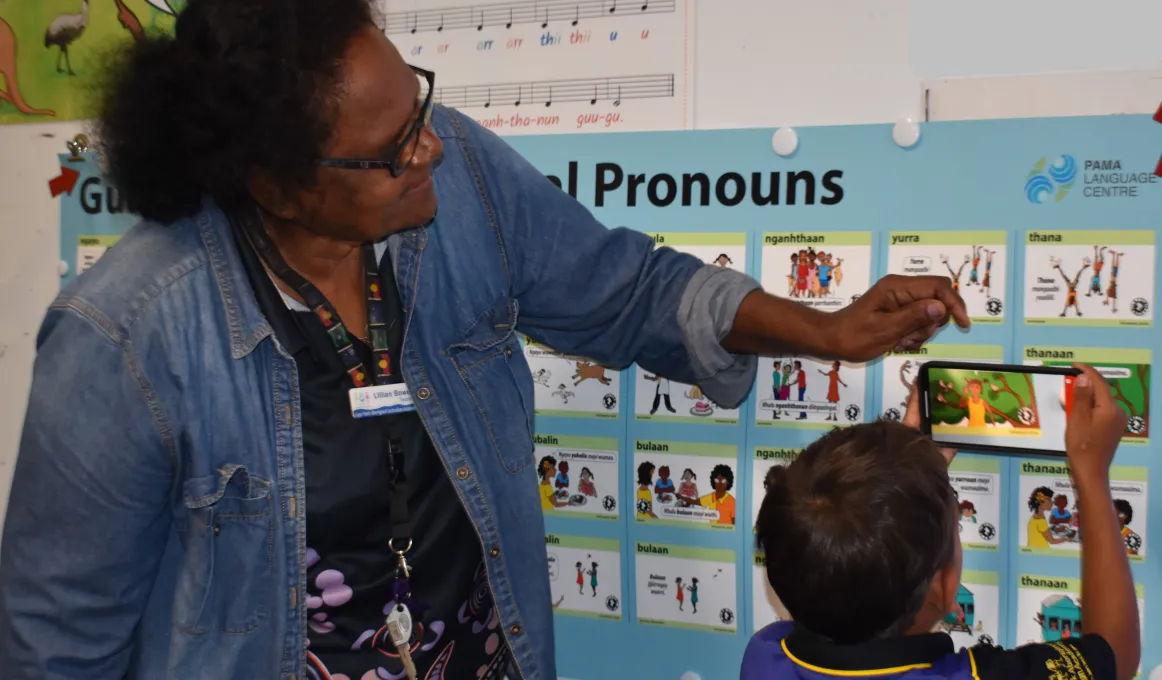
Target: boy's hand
1094,427
912,419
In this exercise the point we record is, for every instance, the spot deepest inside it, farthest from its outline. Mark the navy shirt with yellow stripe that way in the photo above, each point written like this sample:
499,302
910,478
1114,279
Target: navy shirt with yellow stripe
783,651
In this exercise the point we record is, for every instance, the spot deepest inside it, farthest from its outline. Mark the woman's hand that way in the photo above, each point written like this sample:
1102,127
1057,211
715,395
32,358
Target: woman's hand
912,419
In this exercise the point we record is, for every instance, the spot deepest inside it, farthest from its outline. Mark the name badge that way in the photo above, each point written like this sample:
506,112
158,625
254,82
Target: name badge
380,400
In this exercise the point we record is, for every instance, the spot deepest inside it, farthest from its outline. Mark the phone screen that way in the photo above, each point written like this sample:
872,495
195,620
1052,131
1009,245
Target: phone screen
982,407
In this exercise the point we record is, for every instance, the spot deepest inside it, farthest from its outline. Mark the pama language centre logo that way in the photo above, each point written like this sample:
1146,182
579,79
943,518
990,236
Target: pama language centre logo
1050,180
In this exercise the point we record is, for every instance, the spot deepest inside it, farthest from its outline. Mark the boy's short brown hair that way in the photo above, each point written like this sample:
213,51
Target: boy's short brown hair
856,528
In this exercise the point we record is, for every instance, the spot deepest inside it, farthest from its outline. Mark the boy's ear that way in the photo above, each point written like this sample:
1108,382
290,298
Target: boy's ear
949,578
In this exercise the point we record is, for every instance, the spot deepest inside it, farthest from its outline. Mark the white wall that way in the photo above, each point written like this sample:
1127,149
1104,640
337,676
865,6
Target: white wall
759,63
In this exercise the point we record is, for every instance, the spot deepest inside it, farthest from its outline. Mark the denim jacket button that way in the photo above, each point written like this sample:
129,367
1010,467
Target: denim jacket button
515,630
495,552
423,393
462,472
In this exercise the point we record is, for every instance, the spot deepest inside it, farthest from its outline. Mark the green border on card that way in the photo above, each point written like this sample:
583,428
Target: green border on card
581,515
939,237
1118,473
685,552
814,239
704,449
686,626
697,238
686,524
1071,586
801,424
986,465
1090,237
565,441
1086,355
701,420
577,613
1087,321
582,542
574,414
769,454
98,240
980,578
955,352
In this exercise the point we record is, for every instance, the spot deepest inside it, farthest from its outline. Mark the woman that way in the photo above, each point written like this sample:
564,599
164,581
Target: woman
233,461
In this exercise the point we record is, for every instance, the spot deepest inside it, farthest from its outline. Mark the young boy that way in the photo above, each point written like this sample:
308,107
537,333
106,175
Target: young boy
863,550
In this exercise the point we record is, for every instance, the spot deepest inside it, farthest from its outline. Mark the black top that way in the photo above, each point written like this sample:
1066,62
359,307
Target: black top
350,568
1086,658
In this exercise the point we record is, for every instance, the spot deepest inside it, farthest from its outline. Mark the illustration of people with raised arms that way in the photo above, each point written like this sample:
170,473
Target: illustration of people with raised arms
972,273
593,578
988,270
955,275
980,412
1112,290
693,588
681,592
1071,295
1099,261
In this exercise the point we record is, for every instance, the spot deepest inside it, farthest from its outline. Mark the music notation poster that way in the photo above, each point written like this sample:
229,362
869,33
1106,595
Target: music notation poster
554,66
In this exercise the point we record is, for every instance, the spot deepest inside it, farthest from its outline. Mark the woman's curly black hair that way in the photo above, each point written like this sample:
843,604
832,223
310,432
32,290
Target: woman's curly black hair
241,85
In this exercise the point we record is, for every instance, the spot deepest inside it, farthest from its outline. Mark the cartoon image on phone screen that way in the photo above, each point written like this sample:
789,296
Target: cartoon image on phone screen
997,407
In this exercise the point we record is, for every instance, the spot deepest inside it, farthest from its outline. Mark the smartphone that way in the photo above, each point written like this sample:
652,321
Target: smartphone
998,408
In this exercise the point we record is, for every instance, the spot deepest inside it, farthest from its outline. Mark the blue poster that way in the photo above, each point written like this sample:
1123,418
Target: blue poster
1048,228
93,214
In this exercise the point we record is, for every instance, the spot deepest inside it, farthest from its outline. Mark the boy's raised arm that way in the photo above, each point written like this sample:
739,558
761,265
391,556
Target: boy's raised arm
1095,426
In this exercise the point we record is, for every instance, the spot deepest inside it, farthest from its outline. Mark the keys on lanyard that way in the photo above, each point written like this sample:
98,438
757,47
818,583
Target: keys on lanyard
399,626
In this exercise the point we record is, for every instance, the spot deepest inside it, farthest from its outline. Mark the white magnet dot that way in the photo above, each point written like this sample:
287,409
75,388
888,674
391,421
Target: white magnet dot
62,268
785,141
691,675
906,132
1156,674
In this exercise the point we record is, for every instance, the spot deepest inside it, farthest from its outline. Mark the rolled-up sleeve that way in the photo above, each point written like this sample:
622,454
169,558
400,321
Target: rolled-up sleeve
706,315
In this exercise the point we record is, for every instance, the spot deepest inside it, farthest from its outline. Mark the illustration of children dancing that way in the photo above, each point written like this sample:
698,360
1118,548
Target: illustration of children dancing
580,579
988,270
593,578
972,280
681,592
693,588
1071,295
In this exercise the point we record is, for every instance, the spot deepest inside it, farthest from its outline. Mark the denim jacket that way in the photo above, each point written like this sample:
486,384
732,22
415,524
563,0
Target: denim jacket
155,528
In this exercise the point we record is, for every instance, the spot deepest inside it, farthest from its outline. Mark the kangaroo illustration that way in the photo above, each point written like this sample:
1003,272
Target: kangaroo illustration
590,371
8,71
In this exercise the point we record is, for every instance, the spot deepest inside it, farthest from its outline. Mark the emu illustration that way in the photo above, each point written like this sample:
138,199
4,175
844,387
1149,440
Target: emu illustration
63,31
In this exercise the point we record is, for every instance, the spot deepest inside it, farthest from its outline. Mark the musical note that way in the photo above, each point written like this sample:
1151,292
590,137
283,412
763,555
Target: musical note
554,92
527,12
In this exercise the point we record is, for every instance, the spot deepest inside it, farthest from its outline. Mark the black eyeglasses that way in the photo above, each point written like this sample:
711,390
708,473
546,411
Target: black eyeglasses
397,157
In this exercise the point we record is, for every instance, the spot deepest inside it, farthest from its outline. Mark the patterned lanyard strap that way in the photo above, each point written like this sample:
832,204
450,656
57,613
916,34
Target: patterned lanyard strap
341,337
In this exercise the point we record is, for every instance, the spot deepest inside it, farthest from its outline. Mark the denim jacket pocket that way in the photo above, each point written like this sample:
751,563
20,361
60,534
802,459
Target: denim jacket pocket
225,581
490,360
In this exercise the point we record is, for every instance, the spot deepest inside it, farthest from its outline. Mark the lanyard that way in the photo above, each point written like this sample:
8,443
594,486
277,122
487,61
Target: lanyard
381,369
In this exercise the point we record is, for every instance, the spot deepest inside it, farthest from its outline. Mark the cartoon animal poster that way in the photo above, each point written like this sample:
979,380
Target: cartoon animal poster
686,587
659,399
51,51
580,473
1052,523
585,576
901,369
1126,370
797,391
974,260
977,482
978,614
1089,278
765,458
765,605
1050,609
571,386
686,484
